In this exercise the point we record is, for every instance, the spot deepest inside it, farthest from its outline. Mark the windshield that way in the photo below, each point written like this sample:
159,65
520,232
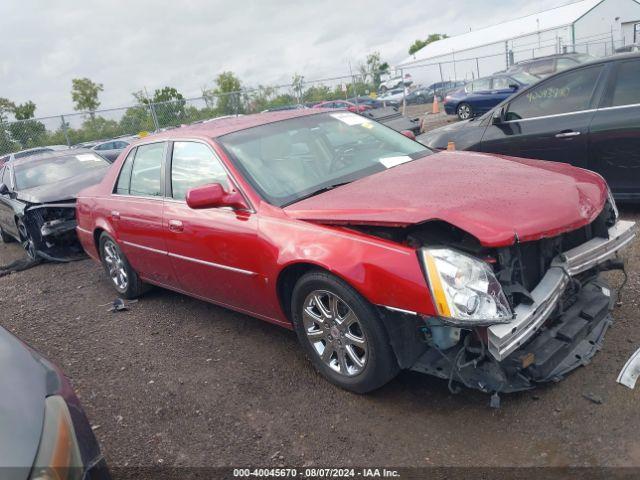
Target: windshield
289,160
50,170
524,78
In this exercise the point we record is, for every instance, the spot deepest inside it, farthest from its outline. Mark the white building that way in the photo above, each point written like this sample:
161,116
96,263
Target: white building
596,27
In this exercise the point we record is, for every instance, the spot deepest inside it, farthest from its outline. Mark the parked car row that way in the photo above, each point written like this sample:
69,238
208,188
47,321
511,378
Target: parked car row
588,116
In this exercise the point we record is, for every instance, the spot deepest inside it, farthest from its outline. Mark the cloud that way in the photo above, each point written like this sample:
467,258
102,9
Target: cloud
128,45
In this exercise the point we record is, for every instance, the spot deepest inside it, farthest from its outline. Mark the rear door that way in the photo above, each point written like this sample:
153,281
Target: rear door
136,212
615,131
212,250
549,121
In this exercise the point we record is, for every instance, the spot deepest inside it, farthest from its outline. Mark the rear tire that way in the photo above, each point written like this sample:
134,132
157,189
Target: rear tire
342,333
464,111
124,278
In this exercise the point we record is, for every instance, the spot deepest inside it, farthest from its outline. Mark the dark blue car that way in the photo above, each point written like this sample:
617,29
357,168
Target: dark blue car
483,94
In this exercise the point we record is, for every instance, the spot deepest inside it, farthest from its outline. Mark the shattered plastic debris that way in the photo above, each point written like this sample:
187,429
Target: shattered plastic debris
119,305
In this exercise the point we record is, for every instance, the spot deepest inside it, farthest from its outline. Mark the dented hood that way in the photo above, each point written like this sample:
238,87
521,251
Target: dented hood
495,198
62,190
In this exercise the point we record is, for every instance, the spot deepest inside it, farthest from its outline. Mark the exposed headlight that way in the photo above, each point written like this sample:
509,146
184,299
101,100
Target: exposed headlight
464,289
58,455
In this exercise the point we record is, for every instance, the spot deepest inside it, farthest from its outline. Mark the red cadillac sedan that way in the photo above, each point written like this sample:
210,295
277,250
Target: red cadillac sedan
483,270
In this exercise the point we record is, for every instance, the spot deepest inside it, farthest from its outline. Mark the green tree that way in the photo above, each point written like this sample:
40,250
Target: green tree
169,105
6,144
24,111
419,44
374,67
227,94
28,132
297,86
84,94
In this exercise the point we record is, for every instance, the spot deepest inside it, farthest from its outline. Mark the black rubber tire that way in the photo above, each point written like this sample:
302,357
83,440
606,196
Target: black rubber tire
460,106
381,364
5,237
135,286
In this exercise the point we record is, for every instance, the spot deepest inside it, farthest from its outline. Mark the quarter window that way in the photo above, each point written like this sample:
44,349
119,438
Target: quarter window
626,91
566,93
122,187
193,165
146,171
479,85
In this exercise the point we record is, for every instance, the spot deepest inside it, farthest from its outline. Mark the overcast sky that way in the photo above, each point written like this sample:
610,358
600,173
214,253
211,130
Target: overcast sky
127,45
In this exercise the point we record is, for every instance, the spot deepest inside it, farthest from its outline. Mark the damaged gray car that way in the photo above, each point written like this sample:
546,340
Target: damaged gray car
38,201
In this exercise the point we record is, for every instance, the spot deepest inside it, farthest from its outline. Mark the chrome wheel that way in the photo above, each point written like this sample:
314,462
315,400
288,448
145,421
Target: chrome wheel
115,265
27,242
334,332
464,111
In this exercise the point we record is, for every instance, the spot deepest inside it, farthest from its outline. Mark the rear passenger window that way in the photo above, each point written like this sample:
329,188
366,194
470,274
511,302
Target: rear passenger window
124,179
193,165
627,88
146,171
566,93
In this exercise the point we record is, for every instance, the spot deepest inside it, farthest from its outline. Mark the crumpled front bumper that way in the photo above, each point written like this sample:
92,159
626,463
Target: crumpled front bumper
505,338
543,342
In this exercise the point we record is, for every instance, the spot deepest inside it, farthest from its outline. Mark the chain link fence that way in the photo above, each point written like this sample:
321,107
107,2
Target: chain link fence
149,116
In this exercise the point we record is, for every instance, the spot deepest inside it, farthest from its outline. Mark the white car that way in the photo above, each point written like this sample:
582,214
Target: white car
394,96
395,82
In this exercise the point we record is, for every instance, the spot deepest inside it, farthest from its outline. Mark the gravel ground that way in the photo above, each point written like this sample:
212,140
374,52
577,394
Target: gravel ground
176,381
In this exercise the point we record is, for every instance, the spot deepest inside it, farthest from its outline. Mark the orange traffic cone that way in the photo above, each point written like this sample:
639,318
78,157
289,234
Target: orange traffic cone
435,107
451,146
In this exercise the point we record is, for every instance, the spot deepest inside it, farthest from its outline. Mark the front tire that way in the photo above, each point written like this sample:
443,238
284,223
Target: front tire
342,333
464,111
27,241
123,278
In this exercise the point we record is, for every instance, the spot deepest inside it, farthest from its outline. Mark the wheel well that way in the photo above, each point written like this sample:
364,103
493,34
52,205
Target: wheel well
287,281
96,239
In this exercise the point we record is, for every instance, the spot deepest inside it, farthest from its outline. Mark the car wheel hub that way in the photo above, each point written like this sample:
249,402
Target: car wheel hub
335,333
115,265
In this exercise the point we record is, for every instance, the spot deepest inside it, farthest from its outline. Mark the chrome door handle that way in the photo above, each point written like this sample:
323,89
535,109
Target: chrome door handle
176,226
115,215
567,134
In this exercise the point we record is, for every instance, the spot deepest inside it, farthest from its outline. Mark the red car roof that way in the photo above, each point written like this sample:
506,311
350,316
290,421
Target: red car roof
222,126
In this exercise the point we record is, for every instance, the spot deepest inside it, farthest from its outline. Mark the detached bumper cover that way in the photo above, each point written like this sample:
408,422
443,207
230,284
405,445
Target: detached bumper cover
504,339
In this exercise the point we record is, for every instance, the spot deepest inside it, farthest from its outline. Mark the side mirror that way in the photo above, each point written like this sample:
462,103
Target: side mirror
496,117
514,86
212,196
4,190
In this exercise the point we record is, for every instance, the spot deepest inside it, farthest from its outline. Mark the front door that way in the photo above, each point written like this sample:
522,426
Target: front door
212,250
615,132
549,121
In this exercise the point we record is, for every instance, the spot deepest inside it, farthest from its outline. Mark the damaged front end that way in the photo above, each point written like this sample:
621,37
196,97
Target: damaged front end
513,317
51,230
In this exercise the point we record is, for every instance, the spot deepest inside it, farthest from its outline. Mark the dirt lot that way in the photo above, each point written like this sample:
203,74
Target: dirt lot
176,381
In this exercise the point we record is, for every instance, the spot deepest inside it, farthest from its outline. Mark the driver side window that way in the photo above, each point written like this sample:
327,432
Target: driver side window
193,164
570,92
